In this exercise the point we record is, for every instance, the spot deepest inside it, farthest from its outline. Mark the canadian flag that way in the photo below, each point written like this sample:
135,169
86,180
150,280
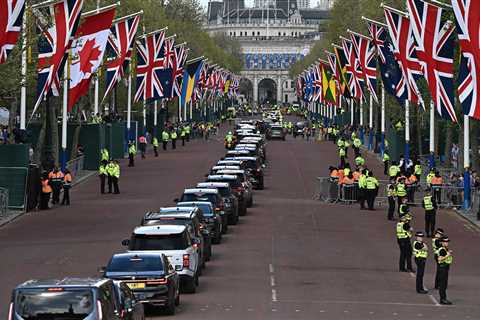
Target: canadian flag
87,52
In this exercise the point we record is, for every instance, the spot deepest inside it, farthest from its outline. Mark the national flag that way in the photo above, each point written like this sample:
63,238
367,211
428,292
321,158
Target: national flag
299,86
189,81
58,25
119,50
401,34
435,46
328,84
342,63
354,72
366,56
178,62
87,52
11,18
467,15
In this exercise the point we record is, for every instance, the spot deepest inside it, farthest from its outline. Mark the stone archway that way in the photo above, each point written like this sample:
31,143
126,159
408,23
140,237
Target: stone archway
245,89
267,91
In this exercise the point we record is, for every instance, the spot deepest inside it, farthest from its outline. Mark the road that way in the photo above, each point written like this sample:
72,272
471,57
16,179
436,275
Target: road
291,257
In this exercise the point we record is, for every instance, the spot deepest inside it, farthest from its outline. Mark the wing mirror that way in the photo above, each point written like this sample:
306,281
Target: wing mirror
125,242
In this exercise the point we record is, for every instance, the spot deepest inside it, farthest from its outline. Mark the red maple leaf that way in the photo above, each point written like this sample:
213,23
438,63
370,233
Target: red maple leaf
88,54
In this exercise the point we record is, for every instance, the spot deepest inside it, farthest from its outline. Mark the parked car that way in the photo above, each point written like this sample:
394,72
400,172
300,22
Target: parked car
237,188
247,185
254,167
276,132
229,198
212,219
176,244
151,278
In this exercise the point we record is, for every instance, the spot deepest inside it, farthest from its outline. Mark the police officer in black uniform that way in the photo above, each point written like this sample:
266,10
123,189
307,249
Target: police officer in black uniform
436,245
420,252
445,259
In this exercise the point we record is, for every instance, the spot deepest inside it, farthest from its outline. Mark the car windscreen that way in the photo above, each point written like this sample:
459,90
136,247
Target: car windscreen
135,264
55,303
224,192
234,183
158,242
275,129
208,197
206,208
251,164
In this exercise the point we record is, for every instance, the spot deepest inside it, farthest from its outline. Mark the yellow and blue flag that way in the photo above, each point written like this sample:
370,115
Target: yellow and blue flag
190,79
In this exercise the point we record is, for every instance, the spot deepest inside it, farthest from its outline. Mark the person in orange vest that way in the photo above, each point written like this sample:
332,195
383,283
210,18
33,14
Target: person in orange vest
56,181
143,145
46,192
436,183
67,184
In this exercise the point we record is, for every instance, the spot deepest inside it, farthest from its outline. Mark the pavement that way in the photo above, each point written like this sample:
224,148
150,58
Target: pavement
290,257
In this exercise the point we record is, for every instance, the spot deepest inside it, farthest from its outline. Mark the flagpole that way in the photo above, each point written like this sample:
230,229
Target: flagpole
96,79
361,122
179,111
432,135
191,110
370,124
129,103
382,149
466,161
144,116
407,131
351,112
23,82
185,113
155,120
66,73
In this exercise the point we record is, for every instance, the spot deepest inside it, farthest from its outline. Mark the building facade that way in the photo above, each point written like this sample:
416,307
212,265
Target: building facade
273,35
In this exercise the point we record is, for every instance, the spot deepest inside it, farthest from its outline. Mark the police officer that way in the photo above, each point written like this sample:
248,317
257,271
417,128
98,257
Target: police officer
392,194
342,154
155,145
165,138
362,184
132,151
404,234
394,170
445,259
436,245
420,252
174,137
386,162
110,173
359,161
104,156
183,134
417,170
102,174
356,146
56,182
401,190
430,206
46,192
371,184
187,132
115,176
67,184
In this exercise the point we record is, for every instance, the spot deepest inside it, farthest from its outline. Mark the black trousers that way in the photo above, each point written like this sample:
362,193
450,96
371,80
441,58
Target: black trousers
436,273
362,197
44,200
391,208
405,261
110,183
165,143
143,149
437,195
371,194
443,280
342,162
155,150
357,151
66,196
183,141
420,262
102,183
115,185
131,160
385,167
174,143
188,137
55,193
430,217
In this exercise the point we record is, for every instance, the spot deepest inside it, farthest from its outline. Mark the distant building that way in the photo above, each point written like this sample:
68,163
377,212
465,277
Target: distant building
273,35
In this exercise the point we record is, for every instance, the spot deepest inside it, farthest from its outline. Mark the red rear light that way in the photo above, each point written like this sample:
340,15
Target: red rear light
99,310
186,260
10,311
195,246
157,282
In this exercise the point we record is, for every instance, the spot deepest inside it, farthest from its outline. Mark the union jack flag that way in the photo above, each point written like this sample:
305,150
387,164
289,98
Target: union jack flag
55,40
119,50
435,45
317,83
354,71
150,62
366,56
400,32
468,20
377,33
178,62
11,17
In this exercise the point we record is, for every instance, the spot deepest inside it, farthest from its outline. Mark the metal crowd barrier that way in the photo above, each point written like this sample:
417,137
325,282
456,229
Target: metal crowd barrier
328,190
76,165
3,202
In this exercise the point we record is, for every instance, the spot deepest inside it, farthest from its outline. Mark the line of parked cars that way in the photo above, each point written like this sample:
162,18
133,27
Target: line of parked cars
166,252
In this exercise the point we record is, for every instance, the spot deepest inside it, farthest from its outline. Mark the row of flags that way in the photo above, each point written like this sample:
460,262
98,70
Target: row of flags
72,45
408,46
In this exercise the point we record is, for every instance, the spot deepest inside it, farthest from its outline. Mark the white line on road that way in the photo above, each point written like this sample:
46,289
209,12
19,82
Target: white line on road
434,300
272,281
366,303
274,295
270,267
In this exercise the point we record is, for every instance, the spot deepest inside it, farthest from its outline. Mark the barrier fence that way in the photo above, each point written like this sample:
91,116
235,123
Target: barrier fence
446,196
76,165
3,202
14,179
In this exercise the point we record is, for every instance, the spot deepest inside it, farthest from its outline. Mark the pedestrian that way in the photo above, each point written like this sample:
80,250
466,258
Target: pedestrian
362,182
165,138
67,185
420,252
46,192
356,146
371,184
110,172
155,145
187,132
404,234
56,182
430,206
143,145
116,177
401,190
132,151
436,245
445,259
392,194
342,155
437,182
174,136
102,174
386,162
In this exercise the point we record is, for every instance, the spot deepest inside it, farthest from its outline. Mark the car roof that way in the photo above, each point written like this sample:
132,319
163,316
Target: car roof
65,282
229,161
213,184
200,190
222,176
159,229
246,158
237,151
229,171
195,203
224,167
176,209
135,254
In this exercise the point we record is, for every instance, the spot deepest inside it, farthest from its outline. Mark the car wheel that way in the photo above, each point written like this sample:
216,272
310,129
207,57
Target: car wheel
217,240
177,299
170,308
190,285
250,203
233,219
197,281
225,228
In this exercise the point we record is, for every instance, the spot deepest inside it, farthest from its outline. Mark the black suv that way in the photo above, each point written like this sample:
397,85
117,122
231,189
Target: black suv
237,188
229,198
212,219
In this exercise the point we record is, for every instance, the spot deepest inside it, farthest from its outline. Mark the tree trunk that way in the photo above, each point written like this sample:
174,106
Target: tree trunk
461,142
11,121
448,143
474,145
418,127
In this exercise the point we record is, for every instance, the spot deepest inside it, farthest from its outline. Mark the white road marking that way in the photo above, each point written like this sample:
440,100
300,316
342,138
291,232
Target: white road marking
434,300
270,267
367,303
412,274
274,295
272,281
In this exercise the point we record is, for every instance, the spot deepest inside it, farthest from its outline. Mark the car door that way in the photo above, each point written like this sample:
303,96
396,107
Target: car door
133,310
